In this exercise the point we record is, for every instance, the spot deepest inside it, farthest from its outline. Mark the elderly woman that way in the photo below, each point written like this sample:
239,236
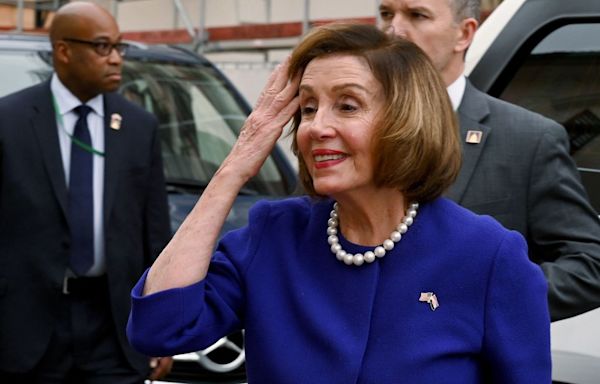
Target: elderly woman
373,278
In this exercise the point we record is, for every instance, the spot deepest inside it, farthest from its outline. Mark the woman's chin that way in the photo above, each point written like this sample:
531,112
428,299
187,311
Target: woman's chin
326,189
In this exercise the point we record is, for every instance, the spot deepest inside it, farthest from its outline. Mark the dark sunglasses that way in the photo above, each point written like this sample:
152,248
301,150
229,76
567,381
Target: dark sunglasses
102,48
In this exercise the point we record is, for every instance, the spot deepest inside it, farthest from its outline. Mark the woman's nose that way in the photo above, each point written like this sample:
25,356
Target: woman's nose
321,126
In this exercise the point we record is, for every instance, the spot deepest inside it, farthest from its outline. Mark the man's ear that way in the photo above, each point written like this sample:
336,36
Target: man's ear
466,32
62,52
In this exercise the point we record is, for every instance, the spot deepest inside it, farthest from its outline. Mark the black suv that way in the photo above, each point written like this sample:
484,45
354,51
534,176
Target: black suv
200,115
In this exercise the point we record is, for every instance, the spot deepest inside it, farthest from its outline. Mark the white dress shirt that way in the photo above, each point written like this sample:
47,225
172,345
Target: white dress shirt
456,91
66,102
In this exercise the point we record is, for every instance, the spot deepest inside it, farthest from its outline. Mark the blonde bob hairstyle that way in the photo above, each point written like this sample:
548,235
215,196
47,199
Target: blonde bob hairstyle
415,146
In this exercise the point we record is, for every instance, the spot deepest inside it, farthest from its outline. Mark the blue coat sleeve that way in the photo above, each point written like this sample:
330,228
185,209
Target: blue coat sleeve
517,332
192,318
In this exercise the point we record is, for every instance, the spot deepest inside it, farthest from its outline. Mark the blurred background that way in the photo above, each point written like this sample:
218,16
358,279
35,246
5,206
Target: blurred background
244,38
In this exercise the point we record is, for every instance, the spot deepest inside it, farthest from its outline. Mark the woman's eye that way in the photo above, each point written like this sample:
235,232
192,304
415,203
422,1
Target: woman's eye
348,107
306,111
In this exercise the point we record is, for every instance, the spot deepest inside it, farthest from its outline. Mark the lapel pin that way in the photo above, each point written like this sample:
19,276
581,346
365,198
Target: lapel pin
474,137
115,121
429,298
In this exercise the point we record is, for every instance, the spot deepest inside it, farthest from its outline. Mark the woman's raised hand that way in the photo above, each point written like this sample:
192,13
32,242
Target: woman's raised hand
275,107
186,258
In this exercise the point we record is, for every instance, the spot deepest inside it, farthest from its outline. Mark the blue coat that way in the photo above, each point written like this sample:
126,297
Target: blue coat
310,318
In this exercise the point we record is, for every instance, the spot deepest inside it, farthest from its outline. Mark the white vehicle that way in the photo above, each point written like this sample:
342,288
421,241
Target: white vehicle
545,56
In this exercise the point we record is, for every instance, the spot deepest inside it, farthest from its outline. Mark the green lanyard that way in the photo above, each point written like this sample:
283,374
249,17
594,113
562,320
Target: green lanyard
76,141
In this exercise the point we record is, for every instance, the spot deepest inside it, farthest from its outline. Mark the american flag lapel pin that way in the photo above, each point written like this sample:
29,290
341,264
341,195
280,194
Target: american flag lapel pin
474,137
115,121
429,298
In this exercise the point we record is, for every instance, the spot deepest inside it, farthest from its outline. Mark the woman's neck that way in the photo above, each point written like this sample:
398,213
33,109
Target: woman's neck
369,220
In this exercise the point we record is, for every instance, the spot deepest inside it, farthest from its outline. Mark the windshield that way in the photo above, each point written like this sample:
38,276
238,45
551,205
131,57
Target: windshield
199,117
199,121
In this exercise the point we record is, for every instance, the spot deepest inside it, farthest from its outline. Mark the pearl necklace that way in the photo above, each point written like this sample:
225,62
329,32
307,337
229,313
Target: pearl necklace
379,251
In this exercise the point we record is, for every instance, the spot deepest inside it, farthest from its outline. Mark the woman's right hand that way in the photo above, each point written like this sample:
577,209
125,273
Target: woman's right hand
186,258
275,107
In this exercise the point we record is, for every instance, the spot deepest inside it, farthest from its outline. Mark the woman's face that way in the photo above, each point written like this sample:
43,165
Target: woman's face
339,102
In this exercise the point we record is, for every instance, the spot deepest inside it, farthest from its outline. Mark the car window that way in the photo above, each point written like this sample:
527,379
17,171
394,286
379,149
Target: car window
199,121
199,117
559,79
22,69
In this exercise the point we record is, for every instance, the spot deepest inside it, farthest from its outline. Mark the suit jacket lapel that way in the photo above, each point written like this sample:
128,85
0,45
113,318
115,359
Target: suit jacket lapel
43,122
472,111
113,149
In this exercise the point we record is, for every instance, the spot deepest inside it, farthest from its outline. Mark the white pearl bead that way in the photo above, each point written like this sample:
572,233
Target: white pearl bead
349,259
388,244
359,260
369,257
402,228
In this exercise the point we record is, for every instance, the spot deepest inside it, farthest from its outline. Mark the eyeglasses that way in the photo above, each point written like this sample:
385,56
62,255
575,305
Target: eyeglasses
102,48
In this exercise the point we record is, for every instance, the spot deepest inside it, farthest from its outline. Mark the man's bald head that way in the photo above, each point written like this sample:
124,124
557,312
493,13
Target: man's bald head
86,57
71,18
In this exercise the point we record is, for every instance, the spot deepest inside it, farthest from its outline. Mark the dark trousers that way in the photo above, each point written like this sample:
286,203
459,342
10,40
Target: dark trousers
84,347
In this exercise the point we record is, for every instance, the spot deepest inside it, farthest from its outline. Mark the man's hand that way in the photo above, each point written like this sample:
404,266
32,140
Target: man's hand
161,366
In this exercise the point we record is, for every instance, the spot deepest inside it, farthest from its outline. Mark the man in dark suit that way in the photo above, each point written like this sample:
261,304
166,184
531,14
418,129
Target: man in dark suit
516,164
83,211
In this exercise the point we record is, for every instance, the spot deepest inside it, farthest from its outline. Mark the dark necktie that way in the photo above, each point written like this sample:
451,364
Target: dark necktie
81,196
